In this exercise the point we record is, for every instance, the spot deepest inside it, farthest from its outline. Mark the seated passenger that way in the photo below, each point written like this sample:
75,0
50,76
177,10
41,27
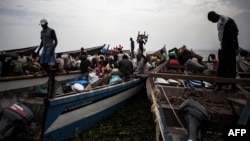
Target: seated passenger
83,51
69,63
85,64
98,67
59,63
245,55
1,64
154,59
32,65
78,62
141,64
94,63
5,66
134,62
212,59
116,61
22,59
163,56
111,63
120,55
105,69
125,68
16,67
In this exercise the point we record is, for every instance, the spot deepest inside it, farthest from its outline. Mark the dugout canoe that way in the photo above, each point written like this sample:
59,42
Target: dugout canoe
185,112
13,83
243,60
90,51
30,80
27,51
65,114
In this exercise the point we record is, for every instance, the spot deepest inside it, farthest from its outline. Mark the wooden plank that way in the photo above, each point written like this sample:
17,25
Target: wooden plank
183,67
237,100
33,76
244,73
199,77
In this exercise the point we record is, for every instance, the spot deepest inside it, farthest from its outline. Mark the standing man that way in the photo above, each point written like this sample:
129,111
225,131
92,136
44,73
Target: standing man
140,42
49,43
228,37
132,47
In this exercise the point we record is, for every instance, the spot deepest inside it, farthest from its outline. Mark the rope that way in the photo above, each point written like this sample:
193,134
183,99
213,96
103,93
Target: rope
246,93
154,109
174,111
200,96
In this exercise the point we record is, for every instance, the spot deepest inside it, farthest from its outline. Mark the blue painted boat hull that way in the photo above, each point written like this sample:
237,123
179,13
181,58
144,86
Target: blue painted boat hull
82,111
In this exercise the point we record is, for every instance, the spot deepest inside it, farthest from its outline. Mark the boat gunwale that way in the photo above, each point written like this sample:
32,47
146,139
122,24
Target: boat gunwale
157,72
39,75
94,92
81,99
34,76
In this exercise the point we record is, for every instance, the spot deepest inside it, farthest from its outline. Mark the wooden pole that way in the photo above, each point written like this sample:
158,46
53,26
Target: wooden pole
50,95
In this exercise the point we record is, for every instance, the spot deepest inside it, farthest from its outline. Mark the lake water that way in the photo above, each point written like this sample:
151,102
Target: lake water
205,53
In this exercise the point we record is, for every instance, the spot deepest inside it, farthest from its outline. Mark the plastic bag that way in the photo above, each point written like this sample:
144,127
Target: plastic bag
93,78
83,77
115,79
82,82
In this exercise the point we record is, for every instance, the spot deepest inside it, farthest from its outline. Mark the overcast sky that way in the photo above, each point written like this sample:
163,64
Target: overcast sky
88,23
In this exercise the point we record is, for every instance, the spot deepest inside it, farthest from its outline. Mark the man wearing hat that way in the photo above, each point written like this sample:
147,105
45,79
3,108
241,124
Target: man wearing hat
49,43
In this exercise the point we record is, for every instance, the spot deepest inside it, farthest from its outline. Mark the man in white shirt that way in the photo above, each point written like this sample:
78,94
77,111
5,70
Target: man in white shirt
228,37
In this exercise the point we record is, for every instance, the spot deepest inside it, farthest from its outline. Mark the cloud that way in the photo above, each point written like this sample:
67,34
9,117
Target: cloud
95,22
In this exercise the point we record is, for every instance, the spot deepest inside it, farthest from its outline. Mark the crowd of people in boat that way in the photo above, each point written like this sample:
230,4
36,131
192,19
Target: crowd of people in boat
104,62
18,64
113,61
181,56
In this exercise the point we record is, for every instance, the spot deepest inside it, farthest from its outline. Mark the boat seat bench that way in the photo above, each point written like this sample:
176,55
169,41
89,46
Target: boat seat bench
237,100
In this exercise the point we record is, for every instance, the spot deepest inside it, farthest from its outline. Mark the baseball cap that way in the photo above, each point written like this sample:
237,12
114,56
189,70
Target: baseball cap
43,21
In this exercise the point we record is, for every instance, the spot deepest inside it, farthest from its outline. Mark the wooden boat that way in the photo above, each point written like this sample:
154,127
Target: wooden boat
244,65
185,52
243,60
90,51
188,112
24,81
158,52
25,51
13,83
66,114
153,58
